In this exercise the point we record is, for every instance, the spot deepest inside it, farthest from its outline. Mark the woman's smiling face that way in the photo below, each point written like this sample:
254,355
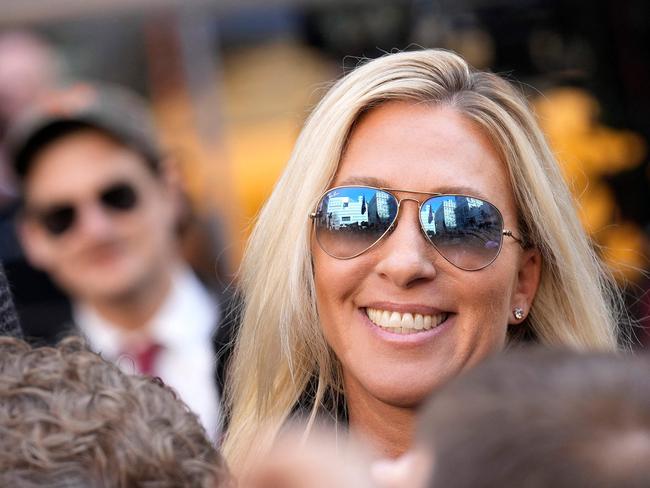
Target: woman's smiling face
430,149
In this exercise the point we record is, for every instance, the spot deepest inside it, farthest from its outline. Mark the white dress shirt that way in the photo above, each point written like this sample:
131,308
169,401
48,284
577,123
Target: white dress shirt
183,326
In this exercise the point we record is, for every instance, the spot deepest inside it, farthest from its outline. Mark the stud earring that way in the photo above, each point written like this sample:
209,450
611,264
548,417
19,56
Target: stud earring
518,313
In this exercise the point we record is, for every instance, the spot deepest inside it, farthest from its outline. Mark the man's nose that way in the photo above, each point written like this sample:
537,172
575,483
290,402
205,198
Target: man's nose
407,258
94,220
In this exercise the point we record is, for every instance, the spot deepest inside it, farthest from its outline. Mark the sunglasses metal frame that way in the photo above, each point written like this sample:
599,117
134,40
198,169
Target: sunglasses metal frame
390,191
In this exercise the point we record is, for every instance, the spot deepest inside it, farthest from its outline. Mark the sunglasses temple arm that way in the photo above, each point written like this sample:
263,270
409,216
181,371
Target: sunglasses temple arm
509,234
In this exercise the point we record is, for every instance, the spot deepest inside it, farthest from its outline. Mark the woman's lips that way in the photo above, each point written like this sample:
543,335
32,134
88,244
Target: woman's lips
404,322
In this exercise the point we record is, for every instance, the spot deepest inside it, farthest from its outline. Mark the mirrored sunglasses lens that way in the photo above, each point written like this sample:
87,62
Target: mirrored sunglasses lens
58,219
465,230
350,220
121,196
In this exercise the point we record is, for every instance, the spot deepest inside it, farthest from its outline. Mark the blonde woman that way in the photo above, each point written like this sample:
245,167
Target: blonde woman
421,225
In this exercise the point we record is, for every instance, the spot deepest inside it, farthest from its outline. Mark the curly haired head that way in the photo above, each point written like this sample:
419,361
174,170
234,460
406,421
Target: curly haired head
69,418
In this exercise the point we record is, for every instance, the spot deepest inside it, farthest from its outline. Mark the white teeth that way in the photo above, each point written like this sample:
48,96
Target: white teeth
395,320
427,321
419,322
383,317
406,323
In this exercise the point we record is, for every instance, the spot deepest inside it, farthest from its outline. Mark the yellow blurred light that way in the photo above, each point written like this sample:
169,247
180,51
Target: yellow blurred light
587,151
597,206
623,250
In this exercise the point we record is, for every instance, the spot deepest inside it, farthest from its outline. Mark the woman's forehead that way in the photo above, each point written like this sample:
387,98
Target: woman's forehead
424,148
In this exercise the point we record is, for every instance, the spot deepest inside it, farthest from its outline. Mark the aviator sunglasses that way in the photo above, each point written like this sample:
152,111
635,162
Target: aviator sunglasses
466,231
59,218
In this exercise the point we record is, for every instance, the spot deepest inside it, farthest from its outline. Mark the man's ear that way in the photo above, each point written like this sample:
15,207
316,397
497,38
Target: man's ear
170,171
528,276
172,180
34,242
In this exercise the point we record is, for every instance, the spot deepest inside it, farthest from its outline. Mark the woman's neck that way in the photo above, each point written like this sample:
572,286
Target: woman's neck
389,429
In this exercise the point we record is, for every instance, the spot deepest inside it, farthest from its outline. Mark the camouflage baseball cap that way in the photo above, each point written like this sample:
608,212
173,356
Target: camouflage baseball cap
109,108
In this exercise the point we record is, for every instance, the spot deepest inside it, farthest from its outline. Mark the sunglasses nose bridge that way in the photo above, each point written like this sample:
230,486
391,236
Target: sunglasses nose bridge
399,208
407,199
421,228
398,215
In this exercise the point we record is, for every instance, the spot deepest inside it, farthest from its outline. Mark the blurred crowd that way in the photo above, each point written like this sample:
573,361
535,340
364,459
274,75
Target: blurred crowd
121,223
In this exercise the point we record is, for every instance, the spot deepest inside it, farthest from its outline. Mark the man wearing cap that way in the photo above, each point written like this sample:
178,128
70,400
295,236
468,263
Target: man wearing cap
99,216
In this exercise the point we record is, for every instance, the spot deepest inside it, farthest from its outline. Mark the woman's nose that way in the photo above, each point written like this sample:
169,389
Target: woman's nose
407,258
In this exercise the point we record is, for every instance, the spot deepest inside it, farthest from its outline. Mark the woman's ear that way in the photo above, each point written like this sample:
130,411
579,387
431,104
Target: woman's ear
528,276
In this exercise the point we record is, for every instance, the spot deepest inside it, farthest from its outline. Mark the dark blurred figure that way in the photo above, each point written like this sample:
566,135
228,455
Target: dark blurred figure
29,69
540,418
9,325
100,212
69,418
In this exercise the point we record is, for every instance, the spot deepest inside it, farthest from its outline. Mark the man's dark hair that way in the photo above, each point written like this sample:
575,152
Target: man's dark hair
69,418
24,158
543,418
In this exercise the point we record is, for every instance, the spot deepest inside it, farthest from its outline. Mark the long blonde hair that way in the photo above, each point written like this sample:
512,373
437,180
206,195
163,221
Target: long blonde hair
280,349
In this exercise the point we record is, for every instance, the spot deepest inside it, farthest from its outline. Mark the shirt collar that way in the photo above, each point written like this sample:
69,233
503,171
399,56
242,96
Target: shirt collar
187,316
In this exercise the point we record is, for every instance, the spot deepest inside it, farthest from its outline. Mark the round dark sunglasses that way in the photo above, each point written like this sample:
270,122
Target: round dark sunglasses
59,218
466,231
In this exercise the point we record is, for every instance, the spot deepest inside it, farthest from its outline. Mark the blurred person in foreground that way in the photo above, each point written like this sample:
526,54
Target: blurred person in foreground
100,211
70,418
539,418
322,460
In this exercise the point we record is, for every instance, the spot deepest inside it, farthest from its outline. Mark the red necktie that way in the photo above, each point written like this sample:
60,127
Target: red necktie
145,358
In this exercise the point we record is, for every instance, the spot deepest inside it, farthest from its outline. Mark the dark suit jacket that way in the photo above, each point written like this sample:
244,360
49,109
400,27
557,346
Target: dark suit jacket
40,305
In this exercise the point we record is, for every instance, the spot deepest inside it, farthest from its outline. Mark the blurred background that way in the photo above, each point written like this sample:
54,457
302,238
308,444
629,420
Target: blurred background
231,82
